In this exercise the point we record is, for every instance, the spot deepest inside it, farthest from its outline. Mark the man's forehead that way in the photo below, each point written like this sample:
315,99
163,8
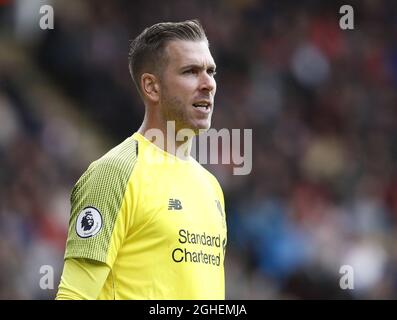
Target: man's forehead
189,52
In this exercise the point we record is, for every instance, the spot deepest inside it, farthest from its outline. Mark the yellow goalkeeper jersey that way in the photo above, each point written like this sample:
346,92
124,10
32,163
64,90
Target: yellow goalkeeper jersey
157,221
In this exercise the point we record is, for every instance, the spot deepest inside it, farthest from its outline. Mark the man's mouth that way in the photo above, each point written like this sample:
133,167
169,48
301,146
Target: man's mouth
203,106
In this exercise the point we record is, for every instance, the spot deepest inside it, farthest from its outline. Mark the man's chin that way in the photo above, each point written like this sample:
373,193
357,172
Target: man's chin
199,129
203,125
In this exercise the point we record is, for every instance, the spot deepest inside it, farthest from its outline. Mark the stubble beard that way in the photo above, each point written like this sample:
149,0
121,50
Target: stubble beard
173,109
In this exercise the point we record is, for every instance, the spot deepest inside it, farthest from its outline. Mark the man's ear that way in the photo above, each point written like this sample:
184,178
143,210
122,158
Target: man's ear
150,87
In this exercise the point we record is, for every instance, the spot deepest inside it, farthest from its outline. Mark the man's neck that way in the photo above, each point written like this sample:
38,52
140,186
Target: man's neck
165,138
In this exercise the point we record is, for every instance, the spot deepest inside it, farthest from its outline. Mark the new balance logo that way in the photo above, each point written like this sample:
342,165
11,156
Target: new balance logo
174,204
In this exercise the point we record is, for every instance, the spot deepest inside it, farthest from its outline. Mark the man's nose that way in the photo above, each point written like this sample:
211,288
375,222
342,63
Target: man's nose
207,82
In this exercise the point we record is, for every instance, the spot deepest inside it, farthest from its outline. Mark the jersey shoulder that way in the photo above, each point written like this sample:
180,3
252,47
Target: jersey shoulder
111,170
96,202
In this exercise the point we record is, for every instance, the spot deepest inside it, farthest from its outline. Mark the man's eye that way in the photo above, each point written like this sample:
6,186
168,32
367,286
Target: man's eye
190,71
212,72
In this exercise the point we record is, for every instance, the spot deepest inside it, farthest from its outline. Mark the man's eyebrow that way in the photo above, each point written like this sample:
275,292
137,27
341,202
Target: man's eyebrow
198,66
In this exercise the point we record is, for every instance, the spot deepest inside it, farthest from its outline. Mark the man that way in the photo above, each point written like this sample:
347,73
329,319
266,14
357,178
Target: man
147,220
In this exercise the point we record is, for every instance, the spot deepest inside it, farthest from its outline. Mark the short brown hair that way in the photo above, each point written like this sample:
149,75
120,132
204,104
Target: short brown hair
146,50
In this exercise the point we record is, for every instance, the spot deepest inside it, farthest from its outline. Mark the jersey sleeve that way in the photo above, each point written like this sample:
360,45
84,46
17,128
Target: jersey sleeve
82,280
101,208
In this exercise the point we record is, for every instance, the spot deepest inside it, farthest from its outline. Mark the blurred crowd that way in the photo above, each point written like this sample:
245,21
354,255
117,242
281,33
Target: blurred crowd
322,104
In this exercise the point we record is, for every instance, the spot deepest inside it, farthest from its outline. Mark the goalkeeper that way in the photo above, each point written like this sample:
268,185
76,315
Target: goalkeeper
147,220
